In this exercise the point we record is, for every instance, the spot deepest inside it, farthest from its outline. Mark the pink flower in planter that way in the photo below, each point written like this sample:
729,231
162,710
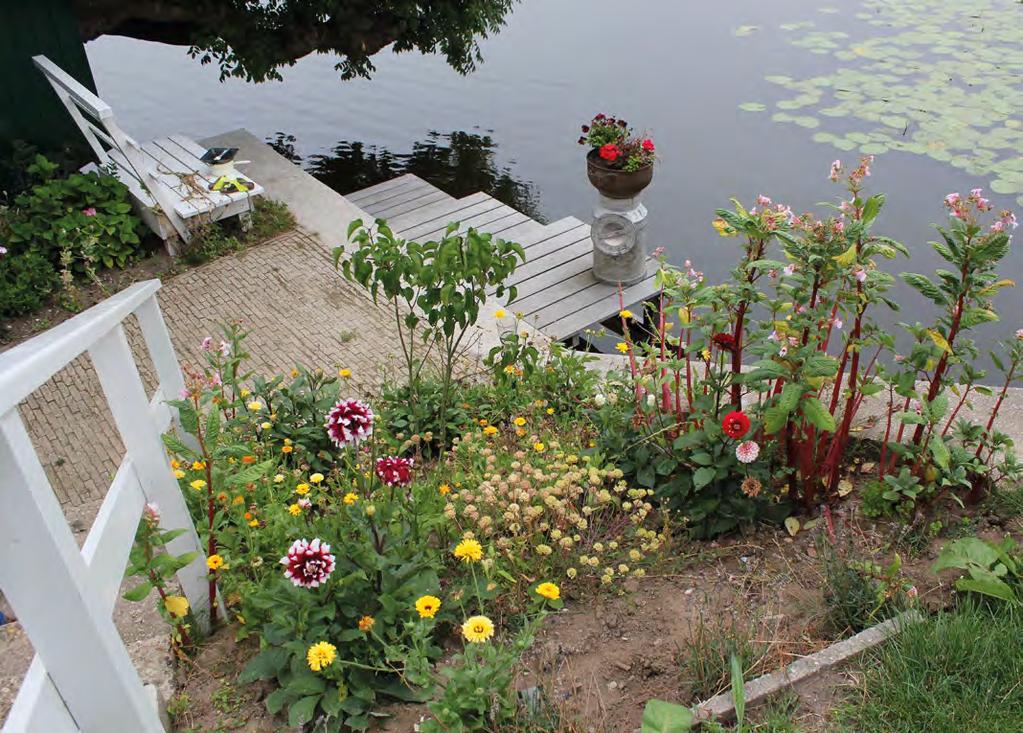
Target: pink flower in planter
747,452
349,423
394,471
308,564
89,211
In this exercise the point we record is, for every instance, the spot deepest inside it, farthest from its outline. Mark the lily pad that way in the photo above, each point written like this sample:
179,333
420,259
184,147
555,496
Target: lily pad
752,107
746,30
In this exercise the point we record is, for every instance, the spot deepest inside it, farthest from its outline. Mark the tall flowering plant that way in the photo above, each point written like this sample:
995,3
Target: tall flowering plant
617,146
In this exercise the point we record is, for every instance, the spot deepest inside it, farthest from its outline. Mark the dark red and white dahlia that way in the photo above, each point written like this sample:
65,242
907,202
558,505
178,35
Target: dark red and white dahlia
395,471
308,564
349,422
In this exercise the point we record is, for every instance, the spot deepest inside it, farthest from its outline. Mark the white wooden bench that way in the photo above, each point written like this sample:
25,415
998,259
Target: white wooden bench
168,182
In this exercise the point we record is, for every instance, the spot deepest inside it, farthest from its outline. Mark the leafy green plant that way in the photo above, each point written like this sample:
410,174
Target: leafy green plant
156,569
85,216
435,288
26,280
995,569
705,660
860,593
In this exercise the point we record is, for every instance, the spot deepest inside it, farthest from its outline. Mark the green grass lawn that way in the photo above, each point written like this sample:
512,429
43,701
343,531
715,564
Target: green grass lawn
960,671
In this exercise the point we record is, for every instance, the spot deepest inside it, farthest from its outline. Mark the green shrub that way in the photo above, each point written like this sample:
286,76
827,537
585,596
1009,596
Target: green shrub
86,217
269,218
25,282
858,594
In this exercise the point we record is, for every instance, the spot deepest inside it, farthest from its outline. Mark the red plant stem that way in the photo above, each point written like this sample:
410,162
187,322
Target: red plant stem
841,437
831,324
837,391
953,331
955,412
740,317
665,390
887,433
994,411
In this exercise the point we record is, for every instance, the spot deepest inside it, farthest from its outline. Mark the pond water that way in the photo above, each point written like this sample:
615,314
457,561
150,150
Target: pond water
742,98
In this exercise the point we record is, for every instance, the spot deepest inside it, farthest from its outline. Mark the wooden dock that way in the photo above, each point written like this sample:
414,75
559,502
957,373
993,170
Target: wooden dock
557,291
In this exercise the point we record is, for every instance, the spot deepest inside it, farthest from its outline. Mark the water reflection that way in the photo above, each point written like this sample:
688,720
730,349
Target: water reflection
459,163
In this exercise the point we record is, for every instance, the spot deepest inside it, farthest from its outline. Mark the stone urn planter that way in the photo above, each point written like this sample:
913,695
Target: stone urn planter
620,166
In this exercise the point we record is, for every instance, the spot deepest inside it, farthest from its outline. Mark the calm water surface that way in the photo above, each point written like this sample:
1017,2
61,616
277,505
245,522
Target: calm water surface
679,70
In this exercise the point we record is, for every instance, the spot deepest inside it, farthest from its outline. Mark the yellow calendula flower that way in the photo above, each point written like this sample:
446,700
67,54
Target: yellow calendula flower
549,591
287,449
539,447
444,489
198,484
294,372
350,498
519,421
483,422
238,500
177,606
178,473
198,465
571,572
214,562
294,510
321,654
427,606
265,425
316,478
254,523
366,623
625,313
175,464
255,406
622,347
705,354
499,313
520,432
469,550
344,373
550,410
279,478
302,489
478,629
490,430
510,369
244,392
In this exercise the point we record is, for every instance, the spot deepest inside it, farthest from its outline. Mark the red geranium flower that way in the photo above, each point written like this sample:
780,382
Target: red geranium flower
395,471
610,152
735,425
724,341
648,145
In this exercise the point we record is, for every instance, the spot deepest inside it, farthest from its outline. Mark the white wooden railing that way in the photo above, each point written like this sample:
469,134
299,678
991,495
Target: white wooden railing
82,678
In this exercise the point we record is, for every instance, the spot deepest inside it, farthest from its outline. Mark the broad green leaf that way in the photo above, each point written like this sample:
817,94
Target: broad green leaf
666,717
817,414
302,712
703,476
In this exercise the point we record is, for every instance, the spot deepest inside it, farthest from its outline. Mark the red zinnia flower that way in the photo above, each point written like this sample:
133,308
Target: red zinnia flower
349,422
308,564
648,145
724,341
735,425
610,152
395,471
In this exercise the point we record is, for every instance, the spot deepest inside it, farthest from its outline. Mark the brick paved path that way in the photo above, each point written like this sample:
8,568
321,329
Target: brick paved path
285,291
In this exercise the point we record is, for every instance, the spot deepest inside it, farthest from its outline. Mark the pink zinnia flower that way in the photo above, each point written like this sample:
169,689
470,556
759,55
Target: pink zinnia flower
747,452
394,471
349,423
308,564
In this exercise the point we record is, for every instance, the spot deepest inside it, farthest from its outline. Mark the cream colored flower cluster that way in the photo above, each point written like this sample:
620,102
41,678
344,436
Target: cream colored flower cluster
554,512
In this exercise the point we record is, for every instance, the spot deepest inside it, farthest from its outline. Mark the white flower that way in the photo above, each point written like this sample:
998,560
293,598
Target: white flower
599,400
747,452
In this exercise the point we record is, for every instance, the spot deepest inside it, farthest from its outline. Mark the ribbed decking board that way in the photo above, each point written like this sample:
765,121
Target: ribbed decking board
557,291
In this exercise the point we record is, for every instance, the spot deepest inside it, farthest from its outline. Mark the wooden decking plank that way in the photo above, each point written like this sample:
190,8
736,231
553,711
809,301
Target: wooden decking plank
563,319
479,220
439,221
395,196
539,256
499,226
184,204
553,229
362,193
441,209
390,210
537,268
527,229
567,278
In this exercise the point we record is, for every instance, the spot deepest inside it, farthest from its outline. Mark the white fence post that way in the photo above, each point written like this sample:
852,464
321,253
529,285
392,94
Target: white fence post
46,581
126,396
82,678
